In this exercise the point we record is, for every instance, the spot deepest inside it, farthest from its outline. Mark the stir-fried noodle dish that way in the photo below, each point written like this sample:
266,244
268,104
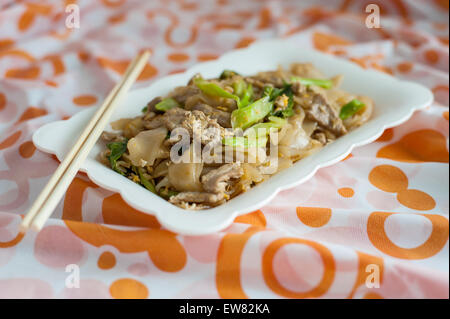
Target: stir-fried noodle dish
213,139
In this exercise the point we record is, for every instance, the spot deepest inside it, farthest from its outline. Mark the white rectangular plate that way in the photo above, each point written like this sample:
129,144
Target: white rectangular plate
395,102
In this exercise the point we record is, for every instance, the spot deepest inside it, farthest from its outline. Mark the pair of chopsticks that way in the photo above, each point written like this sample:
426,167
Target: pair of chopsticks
49,197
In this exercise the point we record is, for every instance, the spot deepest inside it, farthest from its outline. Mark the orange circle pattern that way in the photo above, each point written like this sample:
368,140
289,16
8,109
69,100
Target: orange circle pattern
130,248
346,192
388,178
314,216
107,260
434,244
416,199
272,282
128,288
84,100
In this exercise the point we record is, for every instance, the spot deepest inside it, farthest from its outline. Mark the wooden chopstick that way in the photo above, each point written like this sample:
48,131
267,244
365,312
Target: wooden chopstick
51,194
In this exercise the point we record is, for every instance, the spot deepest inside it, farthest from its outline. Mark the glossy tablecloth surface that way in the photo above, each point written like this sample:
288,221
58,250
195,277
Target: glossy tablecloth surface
381,213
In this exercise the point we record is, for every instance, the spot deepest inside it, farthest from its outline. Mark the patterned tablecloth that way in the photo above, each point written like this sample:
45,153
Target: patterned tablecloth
372,226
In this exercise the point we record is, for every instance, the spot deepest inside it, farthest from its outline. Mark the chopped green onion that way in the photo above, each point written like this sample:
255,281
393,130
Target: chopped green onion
145,182
351,108
166,105
250,114
245,142
117,150
326,84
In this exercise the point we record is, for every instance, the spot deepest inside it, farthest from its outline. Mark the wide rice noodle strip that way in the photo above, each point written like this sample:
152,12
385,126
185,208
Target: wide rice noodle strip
201,98
306,70
253,155
309,127
250,175
185,177
161,169
294,139
283,163
120,124
162,183
147,146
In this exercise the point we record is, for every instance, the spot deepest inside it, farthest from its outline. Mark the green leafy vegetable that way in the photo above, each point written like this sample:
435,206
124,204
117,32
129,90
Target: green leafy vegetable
278,122
326,84
351,108
274,93
166,105
117,150
239,87
245,142
145,182
214,89
226,74
144,109
246,116
263,129
246,96
243,91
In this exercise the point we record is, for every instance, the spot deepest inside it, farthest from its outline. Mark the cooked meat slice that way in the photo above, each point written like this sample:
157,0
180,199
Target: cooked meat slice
112,137
170,119
200,125
299,90
149,116
262,79
325,115
154,122
222,117
318,109
173,117
151,105
196,197
195,122
182,93
320,136
255,82
216,180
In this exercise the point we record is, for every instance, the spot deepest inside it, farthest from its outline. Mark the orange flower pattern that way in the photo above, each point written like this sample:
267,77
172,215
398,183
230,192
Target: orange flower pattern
384,206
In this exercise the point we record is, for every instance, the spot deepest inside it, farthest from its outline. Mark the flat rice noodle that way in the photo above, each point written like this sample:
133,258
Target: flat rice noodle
251,173
295,138
162,183
309,127
185,177
120,124
147,146
283,163
133,127
306,70
161,169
